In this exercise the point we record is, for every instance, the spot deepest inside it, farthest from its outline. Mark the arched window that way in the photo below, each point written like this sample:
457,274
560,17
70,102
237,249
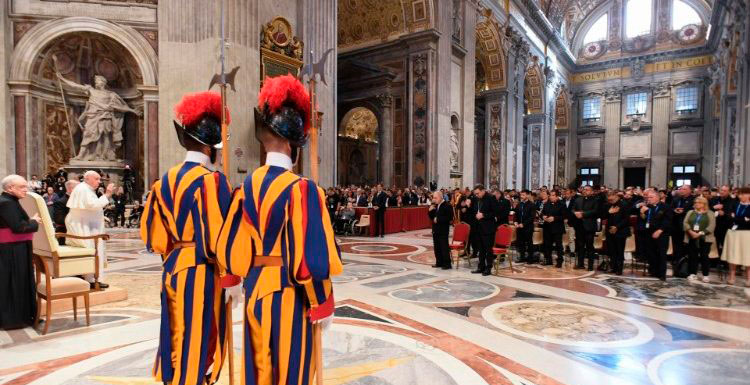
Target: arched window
638,18
684,14
598,30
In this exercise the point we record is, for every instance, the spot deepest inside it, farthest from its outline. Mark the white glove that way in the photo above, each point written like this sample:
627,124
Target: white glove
325,323
234,294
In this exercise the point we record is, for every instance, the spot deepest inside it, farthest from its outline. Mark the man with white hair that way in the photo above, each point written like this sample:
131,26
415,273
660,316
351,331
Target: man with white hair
86,217
17,286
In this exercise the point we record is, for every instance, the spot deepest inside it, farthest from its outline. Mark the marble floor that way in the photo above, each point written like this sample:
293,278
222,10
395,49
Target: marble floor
399,321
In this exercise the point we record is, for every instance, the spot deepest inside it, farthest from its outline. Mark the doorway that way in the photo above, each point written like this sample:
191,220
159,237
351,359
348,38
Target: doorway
634,176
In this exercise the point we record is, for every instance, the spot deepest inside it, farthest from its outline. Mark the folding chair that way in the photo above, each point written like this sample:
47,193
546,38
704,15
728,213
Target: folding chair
503,237
460,237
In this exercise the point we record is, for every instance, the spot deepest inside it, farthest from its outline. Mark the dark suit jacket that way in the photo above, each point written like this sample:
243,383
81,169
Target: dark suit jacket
686,204
660,219
620,219
590,208
503,211
488,207
379,200
362,201
444,215
526,214
557,211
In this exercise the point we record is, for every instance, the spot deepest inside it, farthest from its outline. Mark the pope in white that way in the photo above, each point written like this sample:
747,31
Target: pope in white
86,217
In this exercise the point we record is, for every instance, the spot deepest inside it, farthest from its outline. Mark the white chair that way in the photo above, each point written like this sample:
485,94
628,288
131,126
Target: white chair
62,261
50,289
362,223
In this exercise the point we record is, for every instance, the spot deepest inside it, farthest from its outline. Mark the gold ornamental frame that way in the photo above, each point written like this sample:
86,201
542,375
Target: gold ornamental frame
281,53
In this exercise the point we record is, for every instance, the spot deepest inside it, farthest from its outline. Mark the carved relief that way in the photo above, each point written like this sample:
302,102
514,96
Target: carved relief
276,36
152,37
561,110
420,117
536,144
639,44
20,28
58,138
495,142
561,160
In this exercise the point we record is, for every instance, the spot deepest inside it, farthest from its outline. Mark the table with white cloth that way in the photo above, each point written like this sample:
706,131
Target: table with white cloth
737,247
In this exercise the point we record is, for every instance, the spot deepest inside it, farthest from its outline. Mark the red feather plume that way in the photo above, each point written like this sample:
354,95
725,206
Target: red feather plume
193,106
279,90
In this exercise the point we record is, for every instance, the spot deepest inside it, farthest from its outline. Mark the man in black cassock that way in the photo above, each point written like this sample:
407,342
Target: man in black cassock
17,286
441,216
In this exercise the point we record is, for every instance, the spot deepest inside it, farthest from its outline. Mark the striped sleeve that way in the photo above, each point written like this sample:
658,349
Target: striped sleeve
315,255
153,229
217,196
234,247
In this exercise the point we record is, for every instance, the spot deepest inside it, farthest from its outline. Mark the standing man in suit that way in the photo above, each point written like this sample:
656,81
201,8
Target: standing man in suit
441,216
681,204
618,230
524,221
553,226
379,203
655,219
586,209
723,206
503,208
486,224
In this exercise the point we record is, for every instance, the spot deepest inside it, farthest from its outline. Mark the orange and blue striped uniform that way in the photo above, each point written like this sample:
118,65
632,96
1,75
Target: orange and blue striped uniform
182,219
277,215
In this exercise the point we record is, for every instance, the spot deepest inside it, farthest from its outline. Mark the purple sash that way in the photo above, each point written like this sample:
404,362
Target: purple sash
7,236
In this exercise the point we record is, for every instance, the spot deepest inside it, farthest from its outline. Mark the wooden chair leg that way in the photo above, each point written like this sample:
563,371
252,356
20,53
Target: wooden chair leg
49,315
86,304
75,309
38,311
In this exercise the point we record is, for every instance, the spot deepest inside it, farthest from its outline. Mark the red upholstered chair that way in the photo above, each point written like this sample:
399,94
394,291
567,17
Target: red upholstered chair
503,238
460,237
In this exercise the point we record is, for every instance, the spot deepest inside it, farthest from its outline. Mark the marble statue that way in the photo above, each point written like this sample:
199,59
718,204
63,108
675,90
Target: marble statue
454,150
101,120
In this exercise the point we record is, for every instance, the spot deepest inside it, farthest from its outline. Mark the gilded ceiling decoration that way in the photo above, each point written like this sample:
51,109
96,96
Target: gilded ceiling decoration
533,88
370,22
360,123
490,54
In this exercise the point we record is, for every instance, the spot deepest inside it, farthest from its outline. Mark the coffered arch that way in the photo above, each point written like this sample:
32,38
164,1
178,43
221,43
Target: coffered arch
490,54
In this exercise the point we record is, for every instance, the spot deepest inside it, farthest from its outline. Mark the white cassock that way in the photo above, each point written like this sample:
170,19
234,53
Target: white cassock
86,217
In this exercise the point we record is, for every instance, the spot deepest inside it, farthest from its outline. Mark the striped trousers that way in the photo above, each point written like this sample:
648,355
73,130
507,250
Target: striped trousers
193,325
278,338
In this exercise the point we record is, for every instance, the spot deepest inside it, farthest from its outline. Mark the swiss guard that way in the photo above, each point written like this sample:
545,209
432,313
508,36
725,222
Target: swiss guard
182,219
278,236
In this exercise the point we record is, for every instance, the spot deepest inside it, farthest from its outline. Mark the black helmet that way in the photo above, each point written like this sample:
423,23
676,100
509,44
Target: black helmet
200,115
284,109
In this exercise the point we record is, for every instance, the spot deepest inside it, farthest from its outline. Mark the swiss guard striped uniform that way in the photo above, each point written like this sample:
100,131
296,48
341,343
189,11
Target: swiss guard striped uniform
181,221
278,236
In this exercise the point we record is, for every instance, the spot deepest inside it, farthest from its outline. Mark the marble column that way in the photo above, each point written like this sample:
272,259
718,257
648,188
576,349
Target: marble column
318,29
439,147
518,58
470,14
612,102
494,140
19,109
386,138
572,147
660,135
189,42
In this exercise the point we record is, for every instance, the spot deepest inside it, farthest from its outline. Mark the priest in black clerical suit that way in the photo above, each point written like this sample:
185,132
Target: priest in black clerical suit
17,286
441,216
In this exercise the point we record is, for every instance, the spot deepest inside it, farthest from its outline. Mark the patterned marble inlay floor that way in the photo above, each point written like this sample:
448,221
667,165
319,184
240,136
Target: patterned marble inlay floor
401,322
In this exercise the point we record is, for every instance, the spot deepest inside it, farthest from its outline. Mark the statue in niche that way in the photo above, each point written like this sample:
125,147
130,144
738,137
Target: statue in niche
101,120
454,150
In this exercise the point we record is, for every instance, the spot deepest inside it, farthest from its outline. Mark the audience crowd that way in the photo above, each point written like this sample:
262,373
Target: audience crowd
676,225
